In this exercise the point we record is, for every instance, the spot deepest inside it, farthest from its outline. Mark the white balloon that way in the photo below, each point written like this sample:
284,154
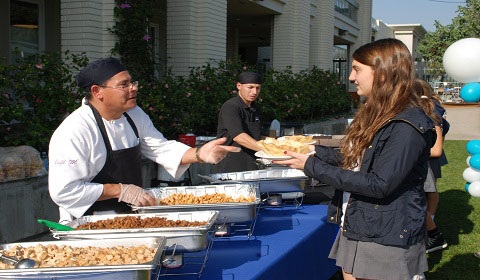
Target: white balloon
471,175
461,60
468,160
474,189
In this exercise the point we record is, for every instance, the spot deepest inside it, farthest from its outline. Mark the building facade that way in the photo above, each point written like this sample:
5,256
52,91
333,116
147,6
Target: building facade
410,35
188,33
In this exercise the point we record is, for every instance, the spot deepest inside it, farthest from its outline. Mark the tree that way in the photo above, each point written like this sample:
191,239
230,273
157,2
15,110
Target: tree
464,25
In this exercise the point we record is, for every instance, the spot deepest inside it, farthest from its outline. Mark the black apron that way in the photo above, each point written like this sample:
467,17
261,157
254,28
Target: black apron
122,166
244,160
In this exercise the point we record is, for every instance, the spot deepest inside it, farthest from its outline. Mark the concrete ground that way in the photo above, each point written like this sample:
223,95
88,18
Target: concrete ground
464,122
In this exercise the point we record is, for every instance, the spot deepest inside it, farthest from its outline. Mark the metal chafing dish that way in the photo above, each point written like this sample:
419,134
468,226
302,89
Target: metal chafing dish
124,271
274,180
234,212
189,239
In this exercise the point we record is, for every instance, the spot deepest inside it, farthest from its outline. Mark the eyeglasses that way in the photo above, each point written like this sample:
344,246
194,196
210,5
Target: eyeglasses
128,86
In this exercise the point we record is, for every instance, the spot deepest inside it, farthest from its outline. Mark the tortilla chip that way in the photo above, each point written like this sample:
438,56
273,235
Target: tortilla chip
277,147
300,138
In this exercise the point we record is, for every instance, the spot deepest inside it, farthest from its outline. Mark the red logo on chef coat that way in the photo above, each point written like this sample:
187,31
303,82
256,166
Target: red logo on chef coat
73,162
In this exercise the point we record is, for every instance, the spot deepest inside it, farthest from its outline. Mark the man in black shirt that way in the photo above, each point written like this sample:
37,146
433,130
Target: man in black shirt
239,121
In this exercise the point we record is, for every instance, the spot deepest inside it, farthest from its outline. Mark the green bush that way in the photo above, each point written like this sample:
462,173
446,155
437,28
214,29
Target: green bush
191,104
38,92
308,96
179,104
134,43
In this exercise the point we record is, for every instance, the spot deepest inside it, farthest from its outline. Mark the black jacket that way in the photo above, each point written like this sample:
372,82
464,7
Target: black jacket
387,203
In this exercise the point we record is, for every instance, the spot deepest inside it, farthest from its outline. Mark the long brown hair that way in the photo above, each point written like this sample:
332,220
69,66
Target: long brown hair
393,79
423,90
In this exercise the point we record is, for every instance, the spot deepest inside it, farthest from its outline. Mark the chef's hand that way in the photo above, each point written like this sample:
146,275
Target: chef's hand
297,161
135,195
213,152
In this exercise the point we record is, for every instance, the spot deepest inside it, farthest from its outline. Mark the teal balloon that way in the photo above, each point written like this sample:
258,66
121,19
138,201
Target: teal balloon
470,92
473,147
466,186
475,161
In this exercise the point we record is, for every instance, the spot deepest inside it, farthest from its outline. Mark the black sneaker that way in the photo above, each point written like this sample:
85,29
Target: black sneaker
436,243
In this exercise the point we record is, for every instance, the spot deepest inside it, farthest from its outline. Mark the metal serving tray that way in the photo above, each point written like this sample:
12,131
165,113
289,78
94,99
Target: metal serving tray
189,239
235,212
274,180
125,271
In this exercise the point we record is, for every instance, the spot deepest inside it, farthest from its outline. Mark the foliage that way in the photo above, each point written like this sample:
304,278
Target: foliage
306,96
179,104
133,39
37,93
464,25
191,104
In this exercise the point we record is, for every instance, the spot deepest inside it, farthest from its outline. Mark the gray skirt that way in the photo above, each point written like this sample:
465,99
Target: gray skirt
374,261
429,185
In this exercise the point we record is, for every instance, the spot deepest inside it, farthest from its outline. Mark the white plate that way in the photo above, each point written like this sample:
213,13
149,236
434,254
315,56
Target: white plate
308,143
262,154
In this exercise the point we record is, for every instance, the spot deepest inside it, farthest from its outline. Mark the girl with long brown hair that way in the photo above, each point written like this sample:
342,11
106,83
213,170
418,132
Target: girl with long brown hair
378,175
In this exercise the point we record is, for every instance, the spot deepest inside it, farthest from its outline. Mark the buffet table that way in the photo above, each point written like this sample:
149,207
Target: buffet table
287,243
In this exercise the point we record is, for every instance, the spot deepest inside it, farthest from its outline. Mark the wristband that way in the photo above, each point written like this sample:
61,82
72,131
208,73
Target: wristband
197,155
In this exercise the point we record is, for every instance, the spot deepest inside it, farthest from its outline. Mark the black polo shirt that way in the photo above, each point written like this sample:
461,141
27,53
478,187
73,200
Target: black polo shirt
234,118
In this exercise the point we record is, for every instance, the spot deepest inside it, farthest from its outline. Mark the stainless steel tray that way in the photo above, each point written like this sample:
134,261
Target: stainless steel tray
189,239
126,271
228,212
274,180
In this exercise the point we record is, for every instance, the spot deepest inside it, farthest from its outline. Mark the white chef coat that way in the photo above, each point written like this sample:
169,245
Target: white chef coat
77,153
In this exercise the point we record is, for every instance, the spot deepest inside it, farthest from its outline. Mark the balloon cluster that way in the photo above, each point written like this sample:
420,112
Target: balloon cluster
461,61
472,173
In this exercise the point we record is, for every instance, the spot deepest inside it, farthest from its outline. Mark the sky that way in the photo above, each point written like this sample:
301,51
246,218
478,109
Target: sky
424,12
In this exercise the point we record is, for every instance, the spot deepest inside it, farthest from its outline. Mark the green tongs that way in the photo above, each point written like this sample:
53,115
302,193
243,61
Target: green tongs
54,225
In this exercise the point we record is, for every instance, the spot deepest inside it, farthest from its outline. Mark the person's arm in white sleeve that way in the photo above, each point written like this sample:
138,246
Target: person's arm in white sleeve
71,170
175,156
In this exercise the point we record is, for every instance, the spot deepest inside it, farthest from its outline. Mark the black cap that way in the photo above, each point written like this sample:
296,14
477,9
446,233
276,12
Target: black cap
249,78
98,72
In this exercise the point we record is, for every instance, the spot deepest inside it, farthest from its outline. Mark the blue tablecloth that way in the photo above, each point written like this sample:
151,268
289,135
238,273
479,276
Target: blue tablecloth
287,243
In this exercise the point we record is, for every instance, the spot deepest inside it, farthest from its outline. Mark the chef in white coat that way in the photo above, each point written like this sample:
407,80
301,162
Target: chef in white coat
95,153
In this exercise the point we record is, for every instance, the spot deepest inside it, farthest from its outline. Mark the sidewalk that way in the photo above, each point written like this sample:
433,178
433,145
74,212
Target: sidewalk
464,122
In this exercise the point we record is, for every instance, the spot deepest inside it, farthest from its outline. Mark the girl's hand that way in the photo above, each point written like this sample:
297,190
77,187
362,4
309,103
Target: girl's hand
297,161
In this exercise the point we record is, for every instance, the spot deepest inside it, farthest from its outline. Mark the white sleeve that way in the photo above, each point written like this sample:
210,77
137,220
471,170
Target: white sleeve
75,157
156,147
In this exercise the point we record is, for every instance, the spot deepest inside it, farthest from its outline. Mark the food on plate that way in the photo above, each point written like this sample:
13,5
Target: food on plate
188,198
276,147
127,222
65,255
300,138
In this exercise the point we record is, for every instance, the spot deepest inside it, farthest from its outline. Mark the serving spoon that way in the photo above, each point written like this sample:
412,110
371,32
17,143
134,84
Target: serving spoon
23,263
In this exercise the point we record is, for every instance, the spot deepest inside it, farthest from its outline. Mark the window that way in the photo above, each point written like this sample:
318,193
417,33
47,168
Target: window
340,63
26,27
347,8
